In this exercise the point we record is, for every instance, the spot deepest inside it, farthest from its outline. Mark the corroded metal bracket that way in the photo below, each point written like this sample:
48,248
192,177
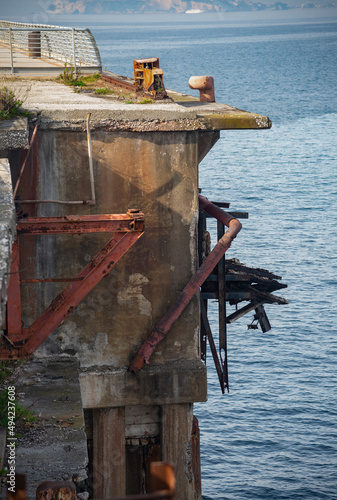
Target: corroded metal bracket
163,326
127,228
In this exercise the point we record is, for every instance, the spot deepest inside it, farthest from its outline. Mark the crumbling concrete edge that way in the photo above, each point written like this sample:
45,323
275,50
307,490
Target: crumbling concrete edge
14,134
7,232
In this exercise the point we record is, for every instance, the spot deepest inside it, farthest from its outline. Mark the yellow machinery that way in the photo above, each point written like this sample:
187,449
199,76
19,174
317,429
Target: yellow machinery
149,77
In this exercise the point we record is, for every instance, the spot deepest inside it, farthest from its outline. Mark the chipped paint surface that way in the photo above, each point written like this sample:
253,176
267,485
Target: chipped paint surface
133,295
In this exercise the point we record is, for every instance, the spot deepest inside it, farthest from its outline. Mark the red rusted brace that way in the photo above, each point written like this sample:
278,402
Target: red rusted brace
127,229
164,325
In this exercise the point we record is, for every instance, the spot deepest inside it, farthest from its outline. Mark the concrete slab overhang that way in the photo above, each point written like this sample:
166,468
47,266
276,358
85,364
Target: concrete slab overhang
170,383
58,106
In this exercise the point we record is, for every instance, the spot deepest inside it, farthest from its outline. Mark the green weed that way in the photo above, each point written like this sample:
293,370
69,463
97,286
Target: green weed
71,77
22,414
91,78
9,104
104,91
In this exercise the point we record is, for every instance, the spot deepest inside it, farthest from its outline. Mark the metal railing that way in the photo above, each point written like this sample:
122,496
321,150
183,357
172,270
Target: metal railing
39,47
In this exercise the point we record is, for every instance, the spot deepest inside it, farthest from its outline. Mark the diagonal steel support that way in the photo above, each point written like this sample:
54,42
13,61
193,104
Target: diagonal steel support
217,362
23,342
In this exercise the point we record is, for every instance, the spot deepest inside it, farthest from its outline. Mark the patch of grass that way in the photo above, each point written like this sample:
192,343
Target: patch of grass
91,78
23,415
145,101
104,91
70,77
9,104
128,102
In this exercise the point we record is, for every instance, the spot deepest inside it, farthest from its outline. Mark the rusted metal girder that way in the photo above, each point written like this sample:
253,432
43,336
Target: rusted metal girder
126,84
127,228
164,325
76,224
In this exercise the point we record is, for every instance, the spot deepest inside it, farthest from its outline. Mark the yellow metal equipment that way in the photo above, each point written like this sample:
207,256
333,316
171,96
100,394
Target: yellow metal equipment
149,77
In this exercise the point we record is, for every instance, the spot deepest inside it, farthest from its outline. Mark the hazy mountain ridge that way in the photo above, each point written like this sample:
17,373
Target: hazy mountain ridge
177,6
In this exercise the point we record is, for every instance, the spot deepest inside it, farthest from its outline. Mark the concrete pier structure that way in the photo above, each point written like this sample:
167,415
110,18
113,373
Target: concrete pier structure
145,157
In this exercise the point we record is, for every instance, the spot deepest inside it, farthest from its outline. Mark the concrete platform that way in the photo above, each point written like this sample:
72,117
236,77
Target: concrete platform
60,105
25,64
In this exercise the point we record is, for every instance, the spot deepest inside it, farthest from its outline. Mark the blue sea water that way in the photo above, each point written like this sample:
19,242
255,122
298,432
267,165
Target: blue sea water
274,435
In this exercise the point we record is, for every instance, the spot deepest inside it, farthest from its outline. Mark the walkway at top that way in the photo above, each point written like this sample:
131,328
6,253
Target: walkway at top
40,49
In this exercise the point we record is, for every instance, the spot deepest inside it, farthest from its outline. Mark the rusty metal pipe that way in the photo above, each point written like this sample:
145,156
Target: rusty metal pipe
61,202
164,325
91,168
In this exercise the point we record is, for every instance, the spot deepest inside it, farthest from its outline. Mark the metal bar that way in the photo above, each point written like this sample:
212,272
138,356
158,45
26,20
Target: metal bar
80,202
11,49
229,277
57,28
25,162
208,331
262,318
91,168
64,304
118,82
81,224
164,325
51,280
66,45
74,49
241,312
92,201
203,334
222,312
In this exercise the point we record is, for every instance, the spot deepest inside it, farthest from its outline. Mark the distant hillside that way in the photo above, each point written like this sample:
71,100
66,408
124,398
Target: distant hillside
177,6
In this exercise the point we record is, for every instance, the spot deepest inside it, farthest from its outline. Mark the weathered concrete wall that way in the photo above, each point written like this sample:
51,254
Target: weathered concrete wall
155,172
7,232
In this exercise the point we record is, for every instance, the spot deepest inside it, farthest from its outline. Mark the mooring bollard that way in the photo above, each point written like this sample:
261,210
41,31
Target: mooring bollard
57,490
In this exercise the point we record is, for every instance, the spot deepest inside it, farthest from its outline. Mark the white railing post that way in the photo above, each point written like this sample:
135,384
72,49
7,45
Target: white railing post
74,50
11,49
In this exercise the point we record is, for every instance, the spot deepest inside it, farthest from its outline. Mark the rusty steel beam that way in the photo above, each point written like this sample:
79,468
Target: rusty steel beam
208,331
119,83
164,325
128,228
64,304
76,224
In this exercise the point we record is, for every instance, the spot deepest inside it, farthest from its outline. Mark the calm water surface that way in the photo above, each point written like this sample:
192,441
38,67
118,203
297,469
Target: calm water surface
274,435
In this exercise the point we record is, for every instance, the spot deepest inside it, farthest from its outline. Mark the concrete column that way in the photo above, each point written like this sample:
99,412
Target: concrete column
109,452
176,446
